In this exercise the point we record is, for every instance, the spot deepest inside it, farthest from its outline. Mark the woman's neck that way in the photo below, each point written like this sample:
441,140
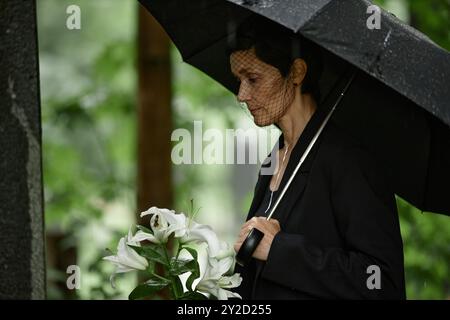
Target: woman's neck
294,121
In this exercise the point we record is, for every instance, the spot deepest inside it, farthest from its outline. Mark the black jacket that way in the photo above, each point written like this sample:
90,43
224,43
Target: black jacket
338,217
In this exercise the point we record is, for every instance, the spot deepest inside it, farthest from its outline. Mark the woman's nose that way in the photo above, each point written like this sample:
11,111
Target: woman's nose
244,93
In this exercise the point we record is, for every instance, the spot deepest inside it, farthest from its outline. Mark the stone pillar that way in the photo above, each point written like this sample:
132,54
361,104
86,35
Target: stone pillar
22,263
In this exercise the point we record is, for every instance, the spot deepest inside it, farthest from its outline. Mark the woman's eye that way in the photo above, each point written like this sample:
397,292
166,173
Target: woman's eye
252,80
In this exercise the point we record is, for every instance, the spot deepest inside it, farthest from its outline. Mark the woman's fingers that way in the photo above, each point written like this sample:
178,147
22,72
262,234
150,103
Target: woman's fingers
251,222
268,227
239,242
245,229
260,223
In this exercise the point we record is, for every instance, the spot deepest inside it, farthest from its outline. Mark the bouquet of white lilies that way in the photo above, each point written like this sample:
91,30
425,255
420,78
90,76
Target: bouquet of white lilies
196,266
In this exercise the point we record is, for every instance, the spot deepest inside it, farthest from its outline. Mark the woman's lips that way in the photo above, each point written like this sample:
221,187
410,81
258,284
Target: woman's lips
254,110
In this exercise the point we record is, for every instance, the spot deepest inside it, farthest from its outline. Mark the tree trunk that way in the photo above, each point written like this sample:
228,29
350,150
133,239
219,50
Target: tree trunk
155,118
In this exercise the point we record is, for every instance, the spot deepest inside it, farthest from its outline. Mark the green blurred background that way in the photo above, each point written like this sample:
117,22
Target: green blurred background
89,113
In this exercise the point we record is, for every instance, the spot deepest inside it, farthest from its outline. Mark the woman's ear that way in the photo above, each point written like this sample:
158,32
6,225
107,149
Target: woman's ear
299,69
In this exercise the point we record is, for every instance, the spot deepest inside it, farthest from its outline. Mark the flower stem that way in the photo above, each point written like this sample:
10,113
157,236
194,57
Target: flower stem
172,278
180,246
159,277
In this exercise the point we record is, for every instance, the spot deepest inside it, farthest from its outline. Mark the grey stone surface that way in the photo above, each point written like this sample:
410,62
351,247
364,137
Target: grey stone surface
22,258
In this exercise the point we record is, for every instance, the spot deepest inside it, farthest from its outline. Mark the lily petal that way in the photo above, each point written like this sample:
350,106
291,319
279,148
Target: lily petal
144,236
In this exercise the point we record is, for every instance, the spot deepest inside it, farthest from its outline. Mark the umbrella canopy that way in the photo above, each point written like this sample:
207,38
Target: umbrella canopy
398,106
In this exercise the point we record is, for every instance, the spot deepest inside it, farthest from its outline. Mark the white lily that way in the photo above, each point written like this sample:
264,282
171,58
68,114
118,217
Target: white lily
201,233
163,223
212,280
218,289
126,259
225,251
198,233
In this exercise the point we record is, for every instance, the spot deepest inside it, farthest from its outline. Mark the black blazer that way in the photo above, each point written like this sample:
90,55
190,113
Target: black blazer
338,217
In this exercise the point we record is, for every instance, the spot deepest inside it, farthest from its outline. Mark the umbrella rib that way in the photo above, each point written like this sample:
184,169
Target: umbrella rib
315,15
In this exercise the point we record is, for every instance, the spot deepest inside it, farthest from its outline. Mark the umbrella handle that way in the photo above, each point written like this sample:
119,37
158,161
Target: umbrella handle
249,245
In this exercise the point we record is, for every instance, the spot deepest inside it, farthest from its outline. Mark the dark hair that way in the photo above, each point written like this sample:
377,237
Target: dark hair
279,47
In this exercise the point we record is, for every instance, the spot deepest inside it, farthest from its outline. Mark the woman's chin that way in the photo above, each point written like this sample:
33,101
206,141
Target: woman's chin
262,122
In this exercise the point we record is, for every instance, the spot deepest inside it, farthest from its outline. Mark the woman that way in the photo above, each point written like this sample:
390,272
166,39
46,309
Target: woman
335,233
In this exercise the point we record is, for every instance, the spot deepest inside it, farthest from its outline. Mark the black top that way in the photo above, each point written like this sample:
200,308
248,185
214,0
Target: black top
261,212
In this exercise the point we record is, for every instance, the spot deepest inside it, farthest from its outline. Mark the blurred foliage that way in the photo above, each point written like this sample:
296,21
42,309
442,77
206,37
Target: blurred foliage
88,89
432,17
426,247
89,133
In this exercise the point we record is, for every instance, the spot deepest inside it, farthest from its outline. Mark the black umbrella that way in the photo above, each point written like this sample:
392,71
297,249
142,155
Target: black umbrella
398,104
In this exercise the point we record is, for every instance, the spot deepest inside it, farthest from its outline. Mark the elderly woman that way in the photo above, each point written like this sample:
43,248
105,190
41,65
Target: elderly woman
335,233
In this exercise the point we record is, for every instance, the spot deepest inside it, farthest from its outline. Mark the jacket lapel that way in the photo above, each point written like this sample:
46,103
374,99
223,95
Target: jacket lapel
296,188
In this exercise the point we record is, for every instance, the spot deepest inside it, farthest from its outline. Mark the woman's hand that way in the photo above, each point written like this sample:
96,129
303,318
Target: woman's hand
269,227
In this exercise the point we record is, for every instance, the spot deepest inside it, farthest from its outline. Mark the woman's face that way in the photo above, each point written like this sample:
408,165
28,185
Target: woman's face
262,87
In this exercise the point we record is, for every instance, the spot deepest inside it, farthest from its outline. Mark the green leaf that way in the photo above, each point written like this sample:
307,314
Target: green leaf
192,251
151,253
192,277
144,229
193,295
151,267
178,286
195,269
182,266
148,289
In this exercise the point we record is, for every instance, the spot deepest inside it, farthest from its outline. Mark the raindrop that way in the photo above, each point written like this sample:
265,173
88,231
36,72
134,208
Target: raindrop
266,3
259,3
